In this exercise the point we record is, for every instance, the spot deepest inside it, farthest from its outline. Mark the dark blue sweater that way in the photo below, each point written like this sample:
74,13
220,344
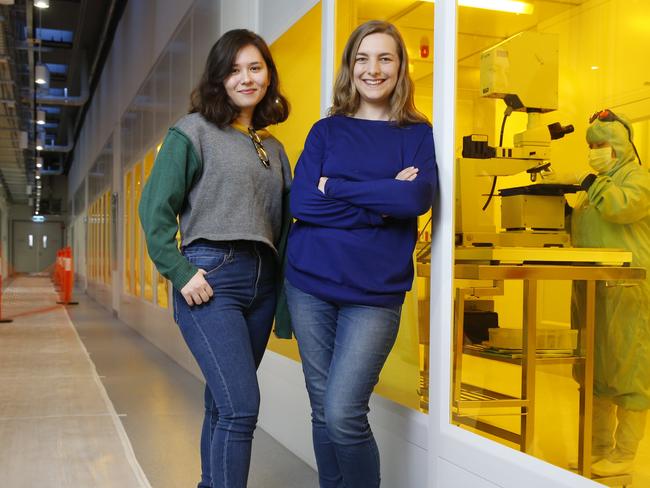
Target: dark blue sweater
354,244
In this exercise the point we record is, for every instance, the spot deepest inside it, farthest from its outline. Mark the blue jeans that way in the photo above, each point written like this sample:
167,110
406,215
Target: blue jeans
228,336
343,348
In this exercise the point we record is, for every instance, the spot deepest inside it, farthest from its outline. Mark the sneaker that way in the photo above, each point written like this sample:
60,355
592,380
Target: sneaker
605,467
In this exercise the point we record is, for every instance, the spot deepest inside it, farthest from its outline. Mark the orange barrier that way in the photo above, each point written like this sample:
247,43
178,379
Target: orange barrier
64,276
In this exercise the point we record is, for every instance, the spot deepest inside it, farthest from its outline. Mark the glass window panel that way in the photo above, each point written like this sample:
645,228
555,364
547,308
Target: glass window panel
145,103
89,252
181,61
79,199
90,242
162,283
96,240
305,107
93,242
127,138
148,264
562,70
107,237
128,232
137,232
138,117
100,239
162,78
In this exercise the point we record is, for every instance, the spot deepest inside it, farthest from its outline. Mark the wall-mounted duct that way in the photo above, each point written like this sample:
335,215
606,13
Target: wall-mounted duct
66,100
60,149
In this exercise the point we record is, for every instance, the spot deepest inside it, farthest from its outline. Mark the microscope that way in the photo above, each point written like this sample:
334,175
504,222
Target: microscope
523,71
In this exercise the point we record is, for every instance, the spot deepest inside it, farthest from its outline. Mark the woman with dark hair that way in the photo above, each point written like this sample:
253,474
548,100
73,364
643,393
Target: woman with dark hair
367,171
224,177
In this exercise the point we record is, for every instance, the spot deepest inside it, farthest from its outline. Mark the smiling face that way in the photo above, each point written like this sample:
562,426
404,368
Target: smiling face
376,69
248,81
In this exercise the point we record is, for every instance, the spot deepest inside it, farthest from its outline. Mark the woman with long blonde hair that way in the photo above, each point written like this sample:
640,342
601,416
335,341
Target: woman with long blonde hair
367,171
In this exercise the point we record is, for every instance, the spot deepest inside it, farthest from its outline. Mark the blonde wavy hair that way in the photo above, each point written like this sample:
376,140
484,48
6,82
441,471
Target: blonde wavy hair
346,97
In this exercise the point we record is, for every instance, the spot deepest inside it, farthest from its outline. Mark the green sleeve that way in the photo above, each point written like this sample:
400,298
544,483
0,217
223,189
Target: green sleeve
282,326
625,202
175,170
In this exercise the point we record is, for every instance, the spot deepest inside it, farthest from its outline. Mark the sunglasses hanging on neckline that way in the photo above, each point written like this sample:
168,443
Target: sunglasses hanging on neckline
259,148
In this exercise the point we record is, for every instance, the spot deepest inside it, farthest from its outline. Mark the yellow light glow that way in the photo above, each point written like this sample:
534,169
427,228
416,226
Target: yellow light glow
595,68
511,6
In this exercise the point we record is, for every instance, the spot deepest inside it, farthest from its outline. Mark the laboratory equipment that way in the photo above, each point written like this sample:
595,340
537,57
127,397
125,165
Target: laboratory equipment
523,71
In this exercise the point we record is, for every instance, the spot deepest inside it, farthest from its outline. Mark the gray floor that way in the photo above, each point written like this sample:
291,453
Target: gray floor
160,405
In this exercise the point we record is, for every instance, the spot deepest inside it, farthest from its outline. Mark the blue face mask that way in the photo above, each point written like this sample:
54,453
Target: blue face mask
601,159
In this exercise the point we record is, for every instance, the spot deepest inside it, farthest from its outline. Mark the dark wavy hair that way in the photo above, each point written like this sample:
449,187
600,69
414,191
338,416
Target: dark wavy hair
210,99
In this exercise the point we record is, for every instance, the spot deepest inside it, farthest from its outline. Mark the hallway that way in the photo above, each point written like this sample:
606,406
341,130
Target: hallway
107,410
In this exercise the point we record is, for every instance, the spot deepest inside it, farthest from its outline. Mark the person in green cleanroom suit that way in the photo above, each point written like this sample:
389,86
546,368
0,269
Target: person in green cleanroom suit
614,212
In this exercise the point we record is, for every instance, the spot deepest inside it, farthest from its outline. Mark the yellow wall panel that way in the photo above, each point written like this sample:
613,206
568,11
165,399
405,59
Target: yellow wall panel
107,237
137,232
147,263
162,296
128,233
300,72
299,77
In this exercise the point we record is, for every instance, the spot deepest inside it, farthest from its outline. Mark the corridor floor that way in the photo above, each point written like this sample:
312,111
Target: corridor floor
109,410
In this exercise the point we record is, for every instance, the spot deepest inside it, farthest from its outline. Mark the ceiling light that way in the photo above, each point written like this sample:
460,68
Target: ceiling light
511,6
40,117
39,142
42,3
39,162
38,177
41,74
594,68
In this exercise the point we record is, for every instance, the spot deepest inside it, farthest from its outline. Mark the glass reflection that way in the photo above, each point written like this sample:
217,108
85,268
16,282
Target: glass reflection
552,303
